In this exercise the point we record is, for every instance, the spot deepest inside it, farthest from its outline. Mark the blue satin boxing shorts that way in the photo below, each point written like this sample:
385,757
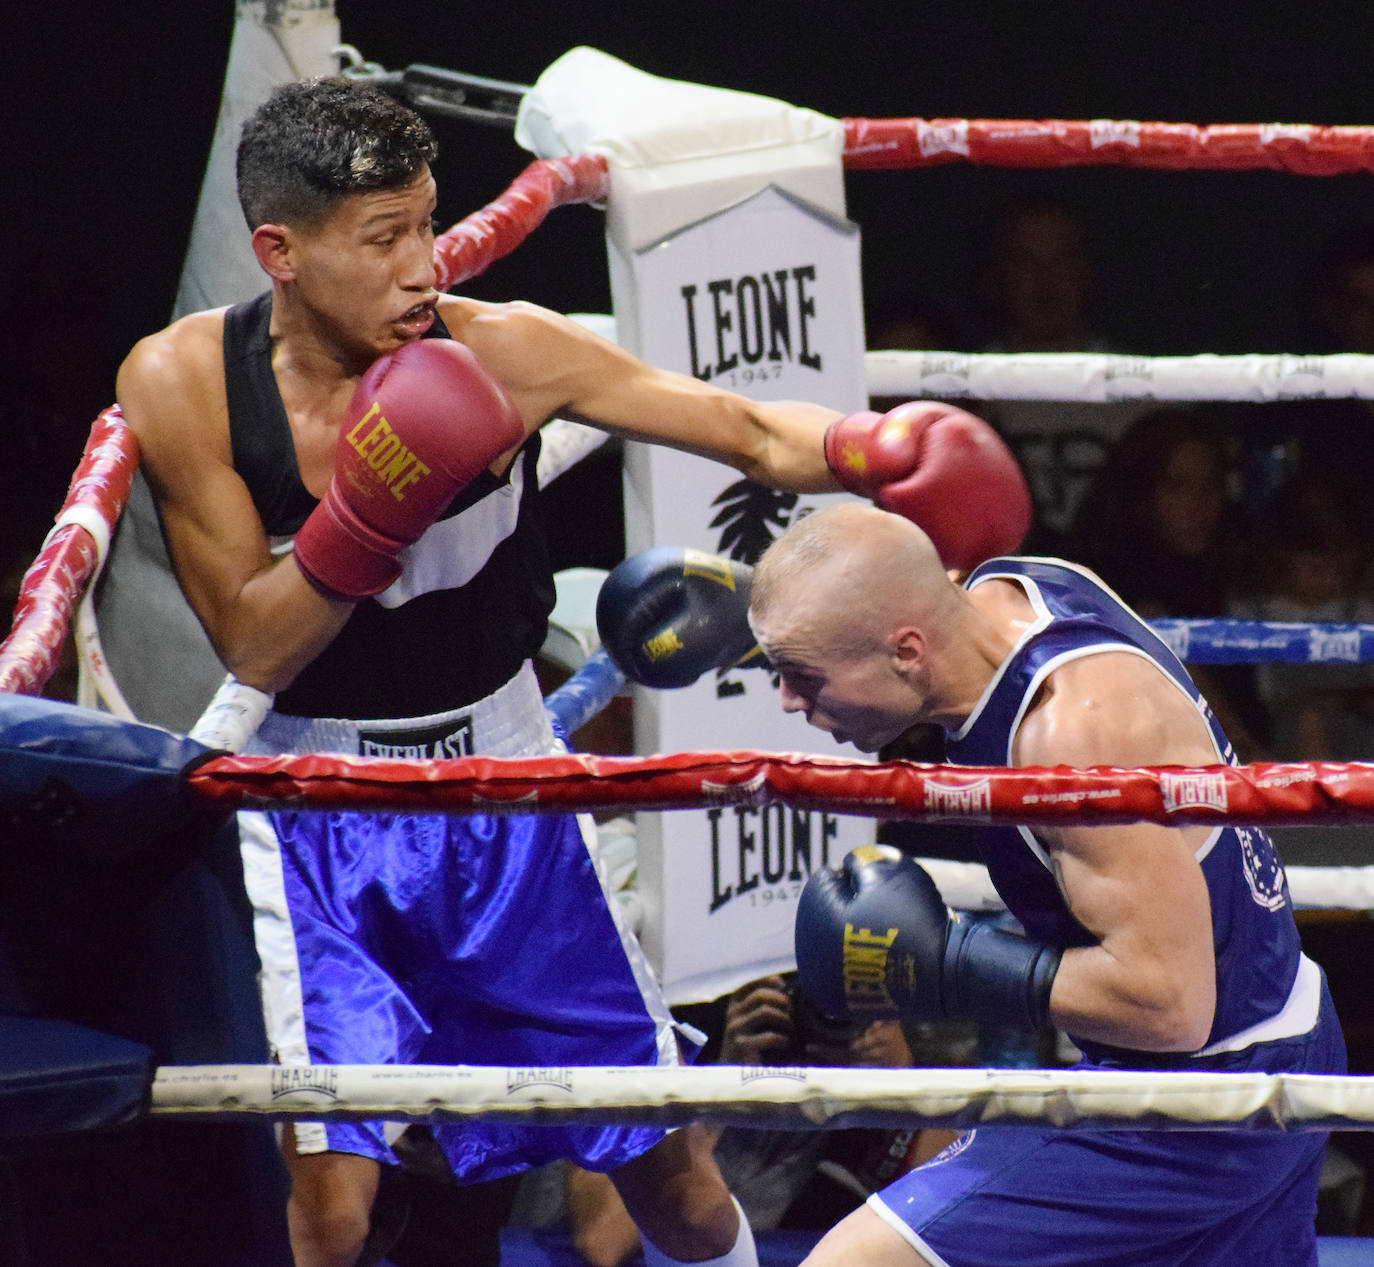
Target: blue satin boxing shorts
1053,1198
428,939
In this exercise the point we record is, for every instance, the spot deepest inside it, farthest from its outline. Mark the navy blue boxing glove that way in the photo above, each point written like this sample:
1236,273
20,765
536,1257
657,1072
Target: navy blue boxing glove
667,615
875,939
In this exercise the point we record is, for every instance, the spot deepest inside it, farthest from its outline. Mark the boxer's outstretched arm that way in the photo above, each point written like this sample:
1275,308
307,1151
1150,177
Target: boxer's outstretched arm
551,365
1150,982
939,466
263,618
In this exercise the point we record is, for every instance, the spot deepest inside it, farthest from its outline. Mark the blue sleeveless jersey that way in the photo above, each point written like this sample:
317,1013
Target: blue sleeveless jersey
1254,934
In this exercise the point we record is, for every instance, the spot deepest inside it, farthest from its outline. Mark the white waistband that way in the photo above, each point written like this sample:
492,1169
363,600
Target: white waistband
510,722
1297,1016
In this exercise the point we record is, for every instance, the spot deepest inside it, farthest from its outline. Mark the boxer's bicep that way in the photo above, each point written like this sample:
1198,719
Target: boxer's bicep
552,366
215,538
1149,981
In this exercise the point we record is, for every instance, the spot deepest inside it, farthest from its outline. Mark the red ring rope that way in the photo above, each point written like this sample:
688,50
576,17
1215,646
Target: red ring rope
55,580
1300,149
477,241
1265,794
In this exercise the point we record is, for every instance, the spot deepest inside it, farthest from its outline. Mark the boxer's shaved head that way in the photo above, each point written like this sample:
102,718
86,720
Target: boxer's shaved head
852,572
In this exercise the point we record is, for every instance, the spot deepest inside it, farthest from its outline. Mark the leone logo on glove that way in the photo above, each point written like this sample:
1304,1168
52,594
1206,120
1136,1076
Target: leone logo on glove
662,645
381,448
865,969
669,614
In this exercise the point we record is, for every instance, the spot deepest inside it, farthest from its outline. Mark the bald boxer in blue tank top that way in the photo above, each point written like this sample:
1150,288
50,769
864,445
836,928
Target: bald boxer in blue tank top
1154,948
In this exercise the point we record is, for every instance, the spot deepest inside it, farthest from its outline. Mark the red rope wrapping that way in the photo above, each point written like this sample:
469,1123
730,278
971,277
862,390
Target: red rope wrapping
474,243
56,579
1299,148
1264,794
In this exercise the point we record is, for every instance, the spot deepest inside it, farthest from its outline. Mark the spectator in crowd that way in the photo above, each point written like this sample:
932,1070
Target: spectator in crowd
1039,286
1161,526
783,1178
1039,281
1331,438
1315,550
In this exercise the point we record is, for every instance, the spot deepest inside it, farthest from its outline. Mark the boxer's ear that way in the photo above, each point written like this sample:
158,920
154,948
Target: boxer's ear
272,244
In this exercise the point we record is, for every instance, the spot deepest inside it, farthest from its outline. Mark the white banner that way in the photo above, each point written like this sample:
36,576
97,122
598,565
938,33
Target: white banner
763,298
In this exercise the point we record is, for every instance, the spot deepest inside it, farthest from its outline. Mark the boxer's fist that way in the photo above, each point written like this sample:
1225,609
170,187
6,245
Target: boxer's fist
874,939
870,937
667,615
944,469
424,420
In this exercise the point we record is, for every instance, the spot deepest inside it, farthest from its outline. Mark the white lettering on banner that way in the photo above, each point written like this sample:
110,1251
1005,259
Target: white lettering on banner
766,854
968,800
1113,132
1287,778
1326,645
1178,638
1285,132
1077,796
1193,791
1021,132
942,138
742,793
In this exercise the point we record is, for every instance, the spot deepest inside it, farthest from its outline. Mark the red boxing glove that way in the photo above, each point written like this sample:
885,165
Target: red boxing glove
941,467
423,422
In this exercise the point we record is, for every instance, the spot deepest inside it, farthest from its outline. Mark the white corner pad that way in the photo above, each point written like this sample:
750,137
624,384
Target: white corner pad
659,134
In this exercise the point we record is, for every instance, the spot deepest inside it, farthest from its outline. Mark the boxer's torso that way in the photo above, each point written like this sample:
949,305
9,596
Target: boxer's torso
475,592
1255,938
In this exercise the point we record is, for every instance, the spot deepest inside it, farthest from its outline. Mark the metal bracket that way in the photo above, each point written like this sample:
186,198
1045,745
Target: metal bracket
435,90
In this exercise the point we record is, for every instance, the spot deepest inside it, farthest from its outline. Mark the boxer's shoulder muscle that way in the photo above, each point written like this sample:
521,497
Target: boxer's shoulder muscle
171,388
543,359
1112,708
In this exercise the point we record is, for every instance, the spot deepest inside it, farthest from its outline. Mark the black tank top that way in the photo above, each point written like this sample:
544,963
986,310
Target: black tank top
478,586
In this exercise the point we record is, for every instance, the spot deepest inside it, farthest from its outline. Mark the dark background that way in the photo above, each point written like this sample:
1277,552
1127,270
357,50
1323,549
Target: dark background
111,111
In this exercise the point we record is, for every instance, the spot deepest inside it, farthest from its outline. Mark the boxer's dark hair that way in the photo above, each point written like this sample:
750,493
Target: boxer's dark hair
316,141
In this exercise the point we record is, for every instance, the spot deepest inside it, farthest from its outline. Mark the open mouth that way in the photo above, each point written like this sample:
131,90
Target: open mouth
418,319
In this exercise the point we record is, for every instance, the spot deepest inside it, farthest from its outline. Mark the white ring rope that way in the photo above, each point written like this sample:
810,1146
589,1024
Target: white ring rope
793,1096
96,684
1099,377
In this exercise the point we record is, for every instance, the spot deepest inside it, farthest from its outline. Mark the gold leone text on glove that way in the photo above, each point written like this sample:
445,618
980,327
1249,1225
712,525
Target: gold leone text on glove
662,645
865,968
395,465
